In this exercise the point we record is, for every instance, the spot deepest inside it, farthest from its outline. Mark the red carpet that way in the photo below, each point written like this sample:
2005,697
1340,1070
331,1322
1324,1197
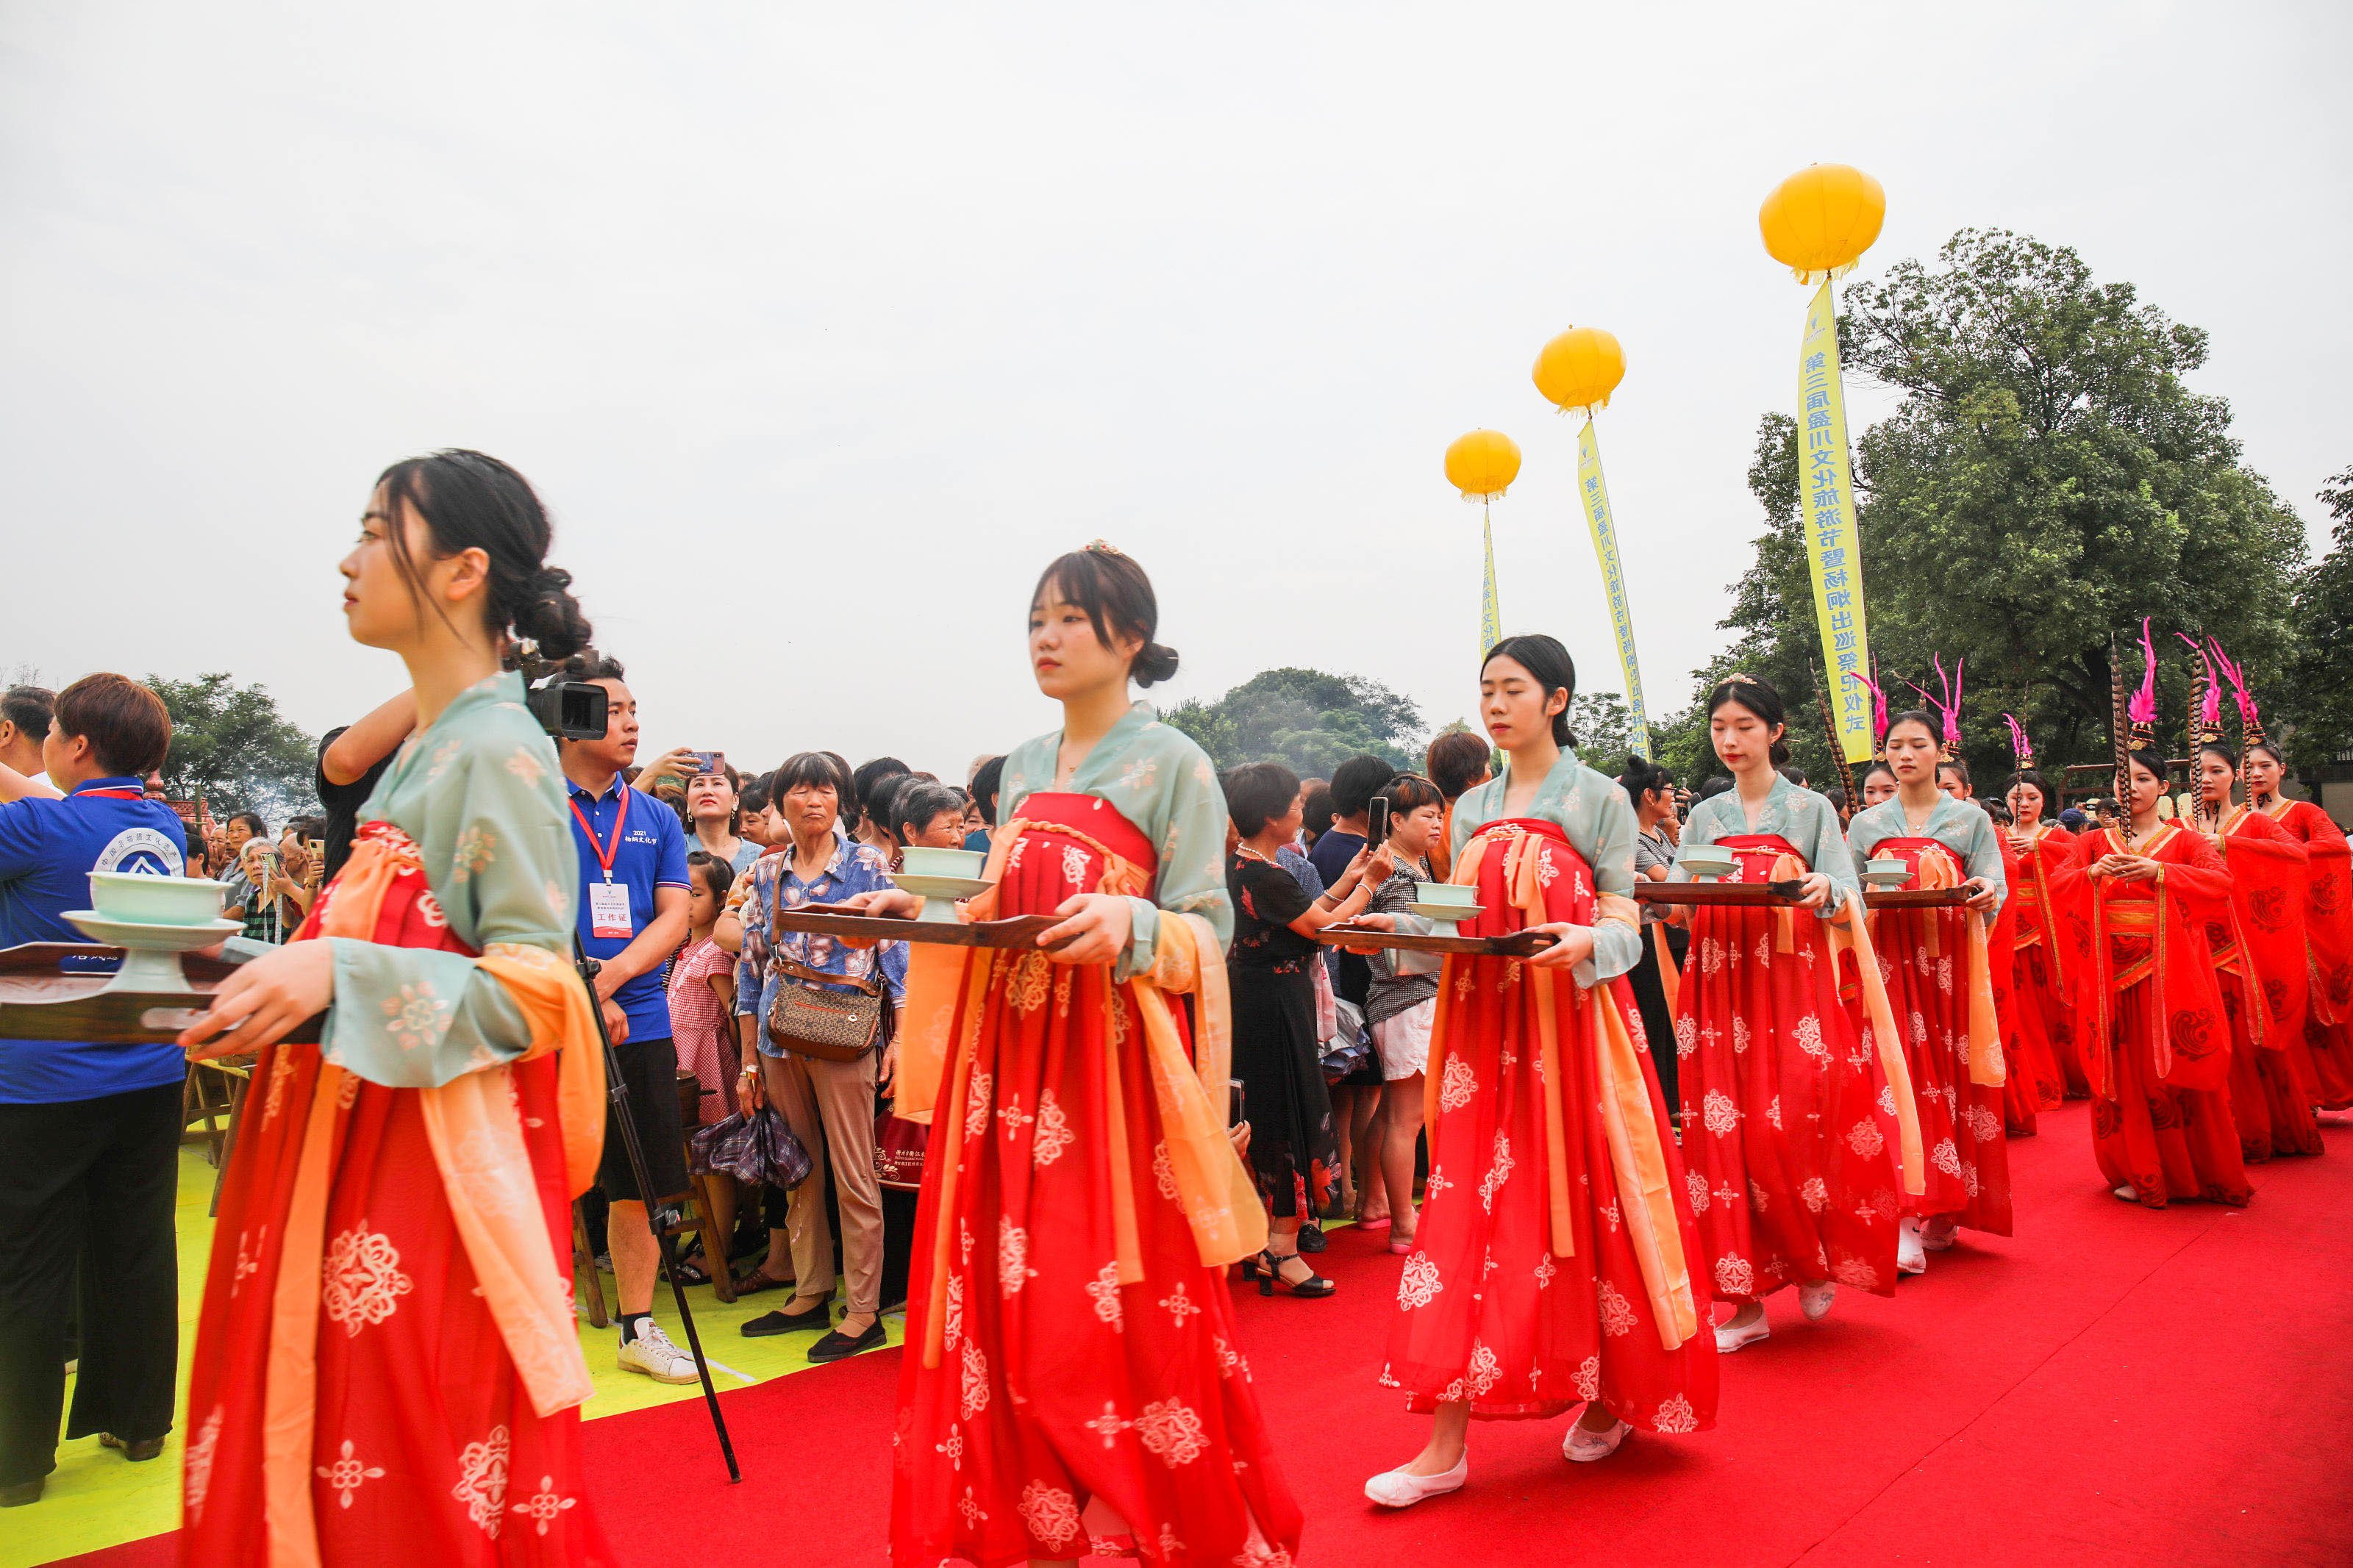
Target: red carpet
2109,1387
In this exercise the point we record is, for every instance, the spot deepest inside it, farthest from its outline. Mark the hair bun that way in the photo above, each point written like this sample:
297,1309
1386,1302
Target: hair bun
1154,662
551,616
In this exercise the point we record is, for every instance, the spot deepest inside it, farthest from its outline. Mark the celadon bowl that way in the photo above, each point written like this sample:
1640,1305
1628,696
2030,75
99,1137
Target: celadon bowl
1449,893
942,862
155,901
1707,860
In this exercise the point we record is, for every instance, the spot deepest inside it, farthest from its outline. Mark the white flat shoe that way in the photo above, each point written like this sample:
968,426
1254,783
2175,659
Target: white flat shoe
1936,1235
1729,1339
1395,1489
2129,1193
1814,1301
1583,1448
1910,1256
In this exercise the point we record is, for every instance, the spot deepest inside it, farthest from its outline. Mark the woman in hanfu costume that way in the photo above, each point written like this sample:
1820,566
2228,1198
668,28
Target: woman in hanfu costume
387,1370
2159,1038
1800,1143
2042,1022
2327,899
1937,965
1555,1253
2258,948
1071,1382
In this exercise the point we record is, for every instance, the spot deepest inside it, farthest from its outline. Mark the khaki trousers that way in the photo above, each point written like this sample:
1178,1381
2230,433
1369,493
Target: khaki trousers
829,1106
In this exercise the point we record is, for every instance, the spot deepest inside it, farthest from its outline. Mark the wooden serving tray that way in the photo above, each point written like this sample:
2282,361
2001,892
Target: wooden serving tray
1519,944
1745,895
825,920
42,1000
1914,897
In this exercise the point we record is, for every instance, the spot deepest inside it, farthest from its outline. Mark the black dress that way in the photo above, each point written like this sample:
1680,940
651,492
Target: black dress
1292,1149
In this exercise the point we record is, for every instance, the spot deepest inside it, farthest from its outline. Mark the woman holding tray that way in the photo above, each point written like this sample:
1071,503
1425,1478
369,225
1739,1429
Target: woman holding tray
1071,1380
387,1368
1937,966
2327,901
2259,954
2043,1018
1798,1144
1556,1245
2159,1036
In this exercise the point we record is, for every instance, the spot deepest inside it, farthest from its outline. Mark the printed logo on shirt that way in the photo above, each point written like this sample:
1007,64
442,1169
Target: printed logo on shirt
142,852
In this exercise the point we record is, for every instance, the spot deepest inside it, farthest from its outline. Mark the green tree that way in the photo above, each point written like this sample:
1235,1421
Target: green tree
2320,672
2047,480
1304,718
231,746
1604,727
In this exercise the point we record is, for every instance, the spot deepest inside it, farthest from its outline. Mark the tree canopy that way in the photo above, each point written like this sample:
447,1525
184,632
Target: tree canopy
2320,671
231,746
2047,480
1308,719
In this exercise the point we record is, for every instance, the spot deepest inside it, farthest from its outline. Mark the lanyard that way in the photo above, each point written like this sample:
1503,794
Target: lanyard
603,854
106,794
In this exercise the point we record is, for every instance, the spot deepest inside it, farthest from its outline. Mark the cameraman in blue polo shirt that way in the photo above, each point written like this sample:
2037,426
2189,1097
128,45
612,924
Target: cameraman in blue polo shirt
89,1134
632,913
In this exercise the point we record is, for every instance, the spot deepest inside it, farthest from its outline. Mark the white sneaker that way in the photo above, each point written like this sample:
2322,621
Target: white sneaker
1583,1448
1910,1256
1815,1299
652,1353
1936,1235
1395,1488
1729,1339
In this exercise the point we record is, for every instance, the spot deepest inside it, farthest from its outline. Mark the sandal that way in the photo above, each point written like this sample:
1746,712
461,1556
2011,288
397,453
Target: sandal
759,1280
1314,1287
690,1270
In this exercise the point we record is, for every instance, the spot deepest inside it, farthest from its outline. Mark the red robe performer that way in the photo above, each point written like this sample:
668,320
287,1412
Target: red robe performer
2328,898
2158,1038
1553,1258
1071,1382
1800,1140
2040,1014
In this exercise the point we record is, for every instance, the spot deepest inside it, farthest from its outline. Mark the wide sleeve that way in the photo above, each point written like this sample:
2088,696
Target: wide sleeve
1983,858
1617,943
1824,847
2199,879
1192,850
499,859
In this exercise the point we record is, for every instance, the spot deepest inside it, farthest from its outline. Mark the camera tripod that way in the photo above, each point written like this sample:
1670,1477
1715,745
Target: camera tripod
617,1112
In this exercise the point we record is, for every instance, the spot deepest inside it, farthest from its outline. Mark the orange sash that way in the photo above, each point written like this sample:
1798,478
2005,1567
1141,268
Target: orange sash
1938,869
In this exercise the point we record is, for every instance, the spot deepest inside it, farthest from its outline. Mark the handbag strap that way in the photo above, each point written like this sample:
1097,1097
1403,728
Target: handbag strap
791,970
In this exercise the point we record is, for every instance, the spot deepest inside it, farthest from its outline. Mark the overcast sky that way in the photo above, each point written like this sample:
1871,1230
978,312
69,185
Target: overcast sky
822,329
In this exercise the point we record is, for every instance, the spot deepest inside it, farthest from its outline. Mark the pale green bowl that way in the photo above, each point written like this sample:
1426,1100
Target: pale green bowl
1707,860
1445,893
155,901
943,862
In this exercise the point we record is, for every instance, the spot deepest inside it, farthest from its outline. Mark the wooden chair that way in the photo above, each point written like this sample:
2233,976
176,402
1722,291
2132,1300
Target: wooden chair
698,1213
236,1075
584,1270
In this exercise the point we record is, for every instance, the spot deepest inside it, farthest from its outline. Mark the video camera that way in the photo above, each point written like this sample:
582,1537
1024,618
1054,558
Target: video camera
566,710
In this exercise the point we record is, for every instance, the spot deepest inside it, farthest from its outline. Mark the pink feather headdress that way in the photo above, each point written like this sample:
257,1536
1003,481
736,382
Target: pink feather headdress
1949,709
2141,709
1878,710
2206,729
2251,719
2019,746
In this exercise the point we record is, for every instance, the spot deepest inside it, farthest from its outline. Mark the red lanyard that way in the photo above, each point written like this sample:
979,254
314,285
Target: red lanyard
108,795
605,855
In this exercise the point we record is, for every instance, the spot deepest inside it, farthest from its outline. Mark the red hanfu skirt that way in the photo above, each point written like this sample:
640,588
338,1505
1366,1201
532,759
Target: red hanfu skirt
2163,1142
423,1446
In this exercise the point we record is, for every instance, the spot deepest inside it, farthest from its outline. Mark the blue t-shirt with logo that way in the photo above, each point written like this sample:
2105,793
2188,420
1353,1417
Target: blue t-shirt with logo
47,850
651,853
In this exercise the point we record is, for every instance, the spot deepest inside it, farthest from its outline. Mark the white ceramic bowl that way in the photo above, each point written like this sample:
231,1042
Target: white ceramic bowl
943,862
1451,893
155,901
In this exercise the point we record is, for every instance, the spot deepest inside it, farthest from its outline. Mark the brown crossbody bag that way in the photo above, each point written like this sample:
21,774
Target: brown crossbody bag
810,1018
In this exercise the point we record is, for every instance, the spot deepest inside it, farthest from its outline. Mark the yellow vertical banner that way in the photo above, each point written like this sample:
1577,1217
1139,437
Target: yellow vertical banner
1593,500
1833,544
1491,614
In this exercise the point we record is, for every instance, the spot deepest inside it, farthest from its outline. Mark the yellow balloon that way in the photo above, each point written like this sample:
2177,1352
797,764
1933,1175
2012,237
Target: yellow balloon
1820,220
1483,463
1579,369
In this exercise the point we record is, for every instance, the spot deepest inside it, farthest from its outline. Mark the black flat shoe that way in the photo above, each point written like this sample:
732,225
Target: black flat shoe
19,1495
780,1321
837,1344
136,1452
